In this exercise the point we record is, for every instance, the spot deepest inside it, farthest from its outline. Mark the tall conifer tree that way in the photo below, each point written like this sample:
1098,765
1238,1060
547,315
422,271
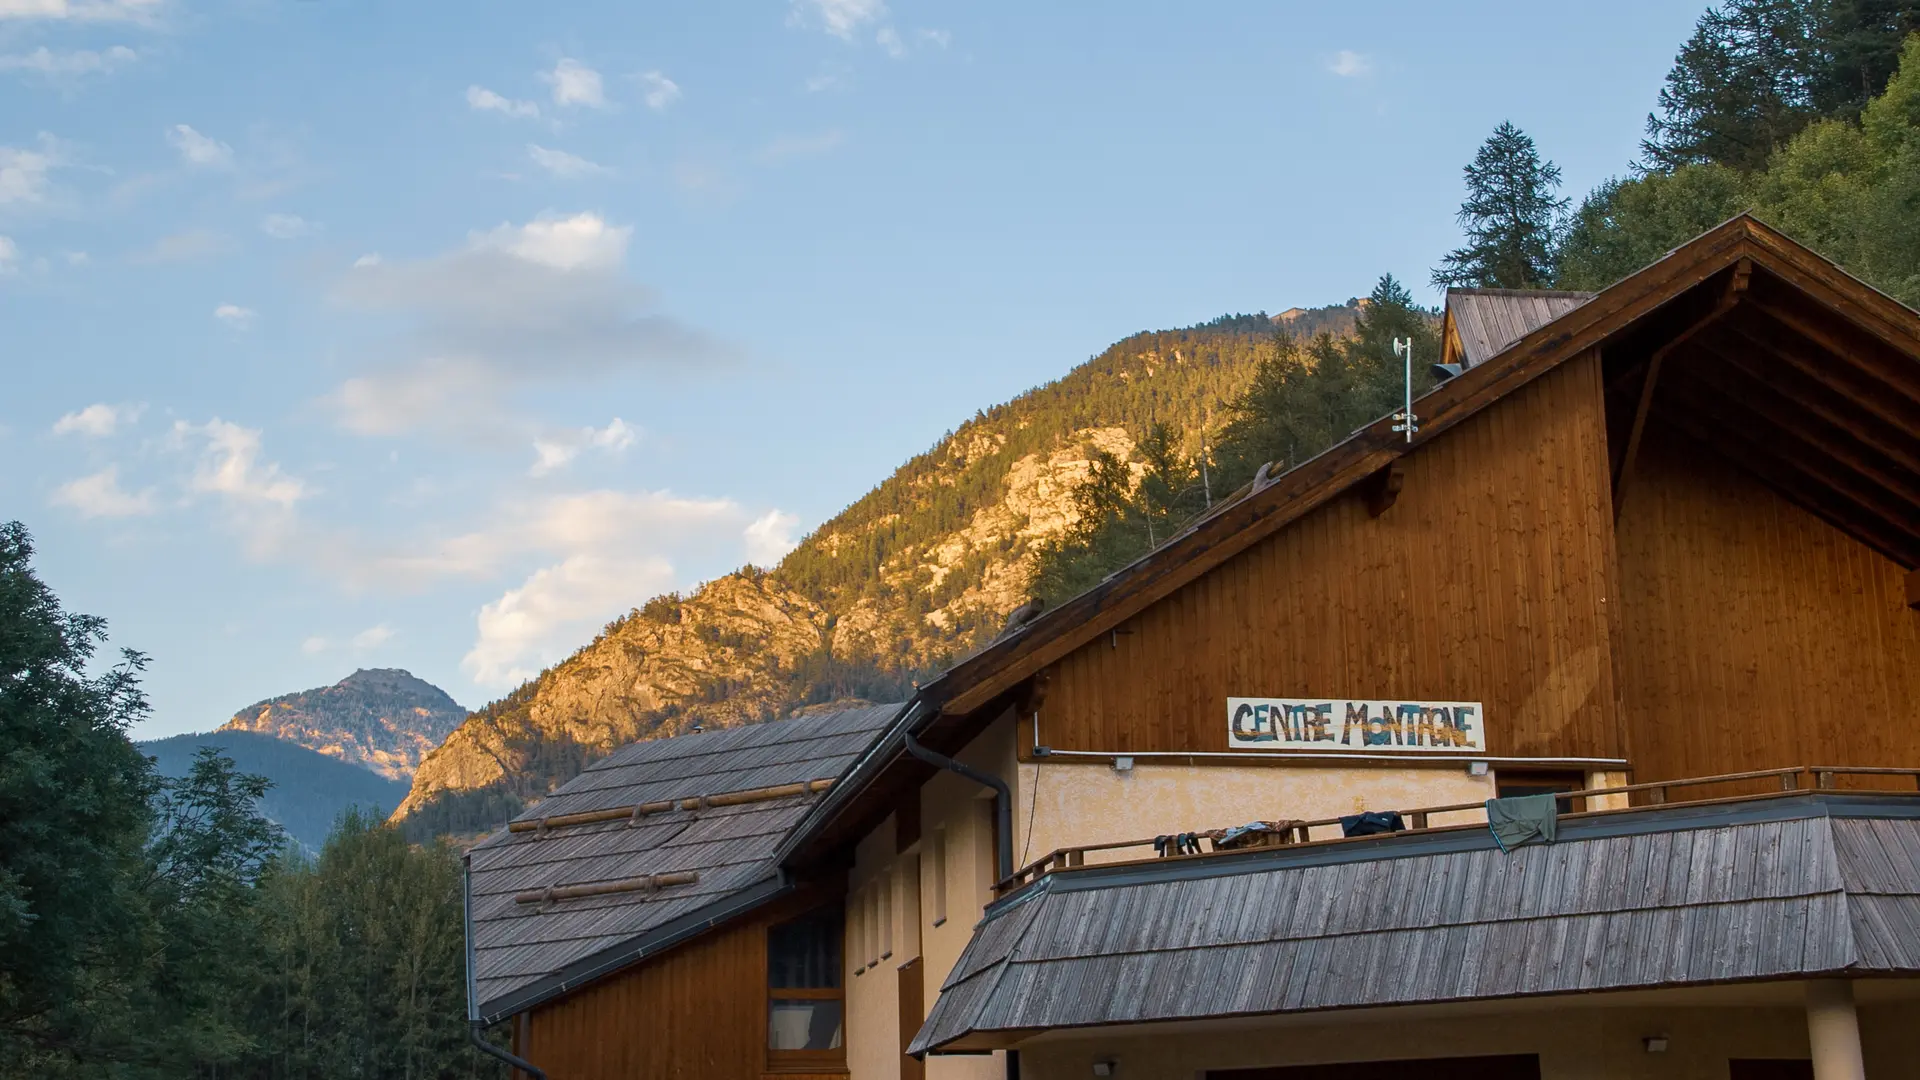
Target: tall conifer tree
1508,216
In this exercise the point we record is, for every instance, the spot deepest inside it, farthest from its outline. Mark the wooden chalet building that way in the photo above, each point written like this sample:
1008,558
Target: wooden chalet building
1644,577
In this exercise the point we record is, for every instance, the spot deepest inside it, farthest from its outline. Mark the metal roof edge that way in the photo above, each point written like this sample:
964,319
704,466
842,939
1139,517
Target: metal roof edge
661,938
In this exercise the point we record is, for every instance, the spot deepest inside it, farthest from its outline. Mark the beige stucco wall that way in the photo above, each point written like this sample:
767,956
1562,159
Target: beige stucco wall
1576,1038
1080,802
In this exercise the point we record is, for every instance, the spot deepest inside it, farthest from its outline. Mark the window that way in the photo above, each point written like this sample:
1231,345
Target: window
939,869
1510,784
806,1005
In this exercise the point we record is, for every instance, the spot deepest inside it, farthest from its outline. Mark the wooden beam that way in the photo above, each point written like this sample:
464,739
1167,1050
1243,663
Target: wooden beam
1838,498
1870,354
1724,383
1850,382
1789,385
1742,274
1383,487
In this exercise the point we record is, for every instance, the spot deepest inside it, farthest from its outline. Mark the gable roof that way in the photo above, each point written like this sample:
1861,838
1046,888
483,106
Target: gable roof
1479,324
1802,374
526,948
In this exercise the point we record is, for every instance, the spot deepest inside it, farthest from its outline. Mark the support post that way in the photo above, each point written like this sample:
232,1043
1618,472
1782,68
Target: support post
1833,1029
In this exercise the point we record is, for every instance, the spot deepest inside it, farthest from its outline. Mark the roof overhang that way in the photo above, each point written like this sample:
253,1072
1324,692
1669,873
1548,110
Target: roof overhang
1779,887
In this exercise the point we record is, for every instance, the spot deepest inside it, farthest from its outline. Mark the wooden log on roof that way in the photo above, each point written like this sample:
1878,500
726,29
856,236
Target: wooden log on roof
644,883
696,802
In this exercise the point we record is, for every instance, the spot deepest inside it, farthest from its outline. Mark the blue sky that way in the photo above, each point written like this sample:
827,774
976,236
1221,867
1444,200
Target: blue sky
347,333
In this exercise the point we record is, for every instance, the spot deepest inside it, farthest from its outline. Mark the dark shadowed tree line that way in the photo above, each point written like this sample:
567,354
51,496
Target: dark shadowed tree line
154,927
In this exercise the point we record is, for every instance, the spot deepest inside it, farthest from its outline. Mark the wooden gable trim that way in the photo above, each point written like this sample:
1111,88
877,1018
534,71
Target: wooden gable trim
1003,665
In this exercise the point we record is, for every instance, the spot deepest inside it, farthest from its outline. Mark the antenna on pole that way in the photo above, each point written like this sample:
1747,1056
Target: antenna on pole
1407,421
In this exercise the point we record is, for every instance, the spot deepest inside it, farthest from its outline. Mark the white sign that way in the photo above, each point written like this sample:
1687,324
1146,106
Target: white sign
1364,726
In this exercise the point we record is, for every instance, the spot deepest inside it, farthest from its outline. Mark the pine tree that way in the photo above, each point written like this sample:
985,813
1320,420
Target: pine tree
1739,89
1508,216
1858,44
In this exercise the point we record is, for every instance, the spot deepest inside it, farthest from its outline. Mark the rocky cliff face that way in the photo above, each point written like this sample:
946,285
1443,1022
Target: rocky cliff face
382,719
920,569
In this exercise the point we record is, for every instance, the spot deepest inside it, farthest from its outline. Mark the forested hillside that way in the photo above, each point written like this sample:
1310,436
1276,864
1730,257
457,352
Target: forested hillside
310,790
912,573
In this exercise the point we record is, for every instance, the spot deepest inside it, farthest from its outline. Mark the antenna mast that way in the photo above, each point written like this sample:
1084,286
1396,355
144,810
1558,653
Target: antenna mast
1408,422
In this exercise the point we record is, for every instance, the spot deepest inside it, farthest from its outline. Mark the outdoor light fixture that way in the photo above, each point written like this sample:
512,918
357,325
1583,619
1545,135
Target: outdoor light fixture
1121,764
1105,1068
1476,768
1655,1044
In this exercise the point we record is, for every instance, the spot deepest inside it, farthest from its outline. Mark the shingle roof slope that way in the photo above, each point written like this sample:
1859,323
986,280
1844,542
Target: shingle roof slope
516,946
1804,887
1489,320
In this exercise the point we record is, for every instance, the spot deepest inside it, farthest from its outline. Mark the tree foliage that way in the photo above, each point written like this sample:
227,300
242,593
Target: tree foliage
1303,398
1847,188
161,928
1508,216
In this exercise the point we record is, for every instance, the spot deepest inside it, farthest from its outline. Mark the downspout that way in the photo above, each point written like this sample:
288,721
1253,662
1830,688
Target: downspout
1002,799
474,1026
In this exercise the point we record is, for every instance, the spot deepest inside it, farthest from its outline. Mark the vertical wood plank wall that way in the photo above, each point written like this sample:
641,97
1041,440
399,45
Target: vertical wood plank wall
1755,635
697,1011
1485,581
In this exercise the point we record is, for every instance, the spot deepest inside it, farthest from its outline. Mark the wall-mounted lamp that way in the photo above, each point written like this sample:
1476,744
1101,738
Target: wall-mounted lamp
1122,764
1655,1044
1106,1068
1476,768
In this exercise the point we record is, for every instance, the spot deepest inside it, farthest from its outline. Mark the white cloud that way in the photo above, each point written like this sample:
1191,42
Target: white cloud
660,91
770,537
541,621
197,149
23,173
841,18
230,466
287,226
80,10
889,40
564,165
545,299
575,83
9,255
939,39
787,147
315,645
97,421
371,258
481,99
100,495
373,637
1349,64
48,64
235,316
557,451
595,575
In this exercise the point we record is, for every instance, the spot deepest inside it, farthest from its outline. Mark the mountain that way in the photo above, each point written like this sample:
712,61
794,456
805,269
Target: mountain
382,719
309,791
920,569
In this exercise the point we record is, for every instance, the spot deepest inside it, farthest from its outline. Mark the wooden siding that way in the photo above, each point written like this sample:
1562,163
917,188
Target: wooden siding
1755,635
1485,581
697,1011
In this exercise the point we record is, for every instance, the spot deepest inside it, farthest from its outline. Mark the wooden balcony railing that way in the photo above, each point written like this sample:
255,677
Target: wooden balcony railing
1420,820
